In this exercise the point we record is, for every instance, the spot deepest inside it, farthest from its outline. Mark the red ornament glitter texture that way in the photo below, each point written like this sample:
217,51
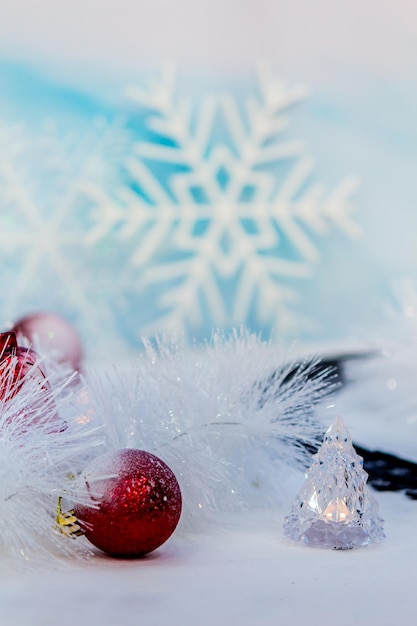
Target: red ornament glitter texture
128,502
53,335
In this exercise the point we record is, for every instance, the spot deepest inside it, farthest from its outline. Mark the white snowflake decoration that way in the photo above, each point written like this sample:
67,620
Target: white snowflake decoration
223,238
176,217
45,179
45,439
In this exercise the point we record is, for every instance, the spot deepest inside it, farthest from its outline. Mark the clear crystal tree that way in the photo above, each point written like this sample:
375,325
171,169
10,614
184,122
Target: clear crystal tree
334,508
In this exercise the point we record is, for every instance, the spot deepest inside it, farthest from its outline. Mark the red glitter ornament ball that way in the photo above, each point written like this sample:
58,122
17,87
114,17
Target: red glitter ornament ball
51,334
128,502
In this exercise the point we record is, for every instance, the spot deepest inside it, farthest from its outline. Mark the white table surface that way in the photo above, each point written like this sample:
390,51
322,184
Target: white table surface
249,575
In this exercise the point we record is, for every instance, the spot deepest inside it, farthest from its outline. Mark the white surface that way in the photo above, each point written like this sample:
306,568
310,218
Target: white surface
253,575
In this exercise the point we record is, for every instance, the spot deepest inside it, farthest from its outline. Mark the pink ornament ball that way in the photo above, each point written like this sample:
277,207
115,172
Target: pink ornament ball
128,503
51,334
18,366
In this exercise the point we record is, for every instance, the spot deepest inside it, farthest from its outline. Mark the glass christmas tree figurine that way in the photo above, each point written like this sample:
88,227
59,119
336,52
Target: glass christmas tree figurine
334,508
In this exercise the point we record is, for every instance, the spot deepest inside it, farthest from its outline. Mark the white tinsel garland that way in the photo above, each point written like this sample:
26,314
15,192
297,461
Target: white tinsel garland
230,418
44,440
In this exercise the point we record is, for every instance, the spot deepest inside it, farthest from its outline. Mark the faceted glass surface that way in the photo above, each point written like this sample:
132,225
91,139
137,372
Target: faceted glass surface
334,508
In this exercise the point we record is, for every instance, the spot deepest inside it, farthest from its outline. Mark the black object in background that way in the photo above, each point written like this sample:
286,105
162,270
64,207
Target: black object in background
387,472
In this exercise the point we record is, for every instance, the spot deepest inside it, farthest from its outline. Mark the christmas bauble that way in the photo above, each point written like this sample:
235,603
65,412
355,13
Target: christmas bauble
16,364
128,502
51,334
34,404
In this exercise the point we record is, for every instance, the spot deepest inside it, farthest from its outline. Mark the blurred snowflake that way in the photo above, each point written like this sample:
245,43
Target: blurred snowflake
172,214
45,178
219,210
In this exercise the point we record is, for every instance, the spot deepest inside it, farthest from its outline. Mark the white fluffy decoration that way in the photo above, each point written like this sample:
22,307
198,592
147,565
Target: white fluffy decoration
44,438
228,417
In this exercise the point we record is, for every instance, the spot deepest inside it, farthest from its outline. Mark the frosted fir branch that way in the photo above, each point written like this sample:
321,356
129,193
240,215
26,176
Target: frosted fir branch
46,436
229,418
